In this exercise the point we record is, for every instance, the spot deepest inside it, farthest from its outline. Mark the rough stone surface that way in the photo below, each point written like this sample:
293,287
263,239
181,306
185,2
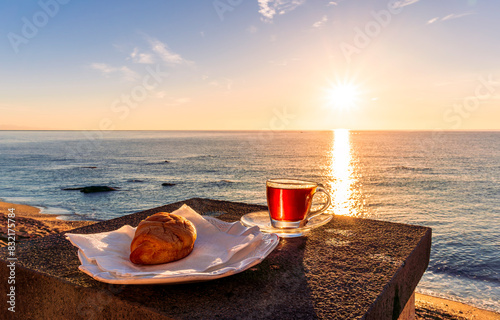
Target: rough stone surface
348,269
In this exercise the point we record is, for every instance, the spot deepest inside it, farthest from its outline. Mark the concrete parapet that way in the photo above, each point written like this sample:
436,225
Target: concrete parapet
350,268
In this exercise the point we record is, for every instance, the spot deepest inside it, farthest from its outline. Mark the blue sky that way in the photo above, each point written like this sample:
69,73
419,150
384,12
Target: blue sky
249,64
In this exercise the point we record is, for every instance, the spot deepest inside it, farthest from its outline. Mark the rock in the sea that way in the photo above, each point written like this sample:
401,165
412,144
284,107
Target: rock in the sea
92,189
168,184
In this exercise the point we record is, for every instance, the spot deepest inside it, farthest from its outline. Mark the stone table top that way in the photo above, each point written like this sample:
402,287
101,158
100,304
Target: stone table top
350,268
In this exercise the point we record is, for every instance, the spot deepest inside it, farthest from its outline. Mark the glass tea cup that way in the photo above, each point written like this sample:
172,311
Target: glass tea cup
290,200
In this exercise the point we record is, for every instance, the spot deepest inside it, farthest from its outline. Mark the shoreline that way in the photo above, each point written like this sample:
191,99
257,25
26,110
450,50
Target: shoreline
30,223
429,307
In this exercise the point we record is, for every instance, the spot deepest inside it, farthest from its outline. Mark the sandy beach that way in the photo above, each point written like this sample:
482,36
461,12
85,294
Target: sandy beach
30,223
428,307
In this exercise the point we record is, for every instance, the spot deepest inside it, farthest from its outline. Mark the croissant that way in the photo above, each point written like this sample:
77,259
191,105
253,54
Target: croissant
161,238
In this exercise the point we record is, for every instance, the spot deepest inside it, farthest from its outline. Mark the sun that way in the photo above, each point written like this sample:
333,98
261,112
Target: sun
343,96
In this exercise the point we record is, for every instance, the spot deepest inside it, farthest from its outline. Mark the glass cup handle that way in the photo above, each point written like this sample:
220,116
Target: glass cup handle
315,213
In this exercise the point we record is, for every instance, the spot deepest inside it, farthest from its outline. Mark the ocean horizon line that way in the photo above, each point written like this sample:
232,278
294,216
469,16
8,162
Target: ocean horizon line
251,130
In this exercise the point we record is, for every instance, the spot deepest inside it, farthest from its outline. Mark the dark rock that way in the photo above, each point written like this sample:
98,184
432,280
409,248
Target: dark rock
166,161
90,167
93,189
168,184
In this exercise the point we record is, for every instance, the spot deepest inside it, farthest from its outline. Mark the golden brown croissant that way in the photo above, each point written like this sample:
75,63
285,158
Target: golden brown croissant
161,238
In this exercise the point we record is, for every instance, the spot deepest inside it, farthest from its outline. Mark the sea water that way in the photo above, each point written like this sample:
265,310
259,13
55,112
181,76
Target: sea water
448,181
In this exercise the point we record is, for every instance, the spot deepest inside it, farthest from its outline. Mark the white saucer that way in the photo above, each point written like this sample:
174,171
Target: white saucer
262,220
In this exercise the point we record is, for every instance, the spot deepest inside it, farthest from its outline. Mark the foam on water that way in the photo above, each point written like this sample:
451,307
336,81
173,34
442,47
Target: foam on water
58,211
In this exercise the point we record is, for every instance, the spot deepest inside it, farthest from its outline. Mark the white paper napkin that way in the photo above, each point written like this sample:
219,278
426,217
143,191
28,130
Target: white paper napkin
110,251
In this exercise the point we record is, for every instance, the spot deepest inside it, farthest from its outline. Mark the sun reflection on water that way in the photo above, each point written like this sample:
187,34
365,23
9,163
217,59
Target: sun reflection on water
341,174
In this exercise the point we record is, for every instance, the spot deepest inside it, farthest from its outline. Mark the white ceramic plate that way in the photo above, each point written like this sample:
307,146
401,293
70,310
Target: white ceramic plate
236,264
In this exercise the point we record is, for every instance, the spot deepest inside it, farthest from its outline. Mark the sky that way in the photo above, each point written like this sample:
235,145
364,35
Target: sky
249,65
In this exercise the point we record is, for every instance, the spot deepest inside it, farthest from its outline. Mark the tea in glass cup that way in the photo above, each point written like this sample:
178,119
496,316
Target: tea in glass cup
290,200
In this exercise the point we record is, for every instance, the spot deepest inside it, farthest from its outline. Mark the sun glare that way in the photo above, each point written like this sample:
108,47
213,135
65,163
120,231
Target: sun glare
343,96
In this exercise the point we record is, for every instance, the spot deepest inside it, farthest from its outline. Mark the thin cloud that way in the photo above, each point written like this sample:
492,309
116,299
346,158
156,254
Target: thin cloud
332,3
320,23
431,21
403,3
174,102
269,8
160,94
252,29
449,17
225,83
456,16
168,56
138,57
107,70
266,10
128,74
170,100
104,68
